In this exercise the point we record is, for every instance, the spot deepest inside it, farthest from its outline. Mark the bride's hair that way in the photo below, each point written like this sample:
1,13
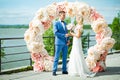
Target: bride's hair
79,19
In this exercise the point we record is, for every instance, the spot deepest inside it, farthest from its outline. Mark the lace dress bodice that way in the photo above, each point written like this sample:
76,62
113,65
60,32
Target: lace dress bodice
78,27
75,39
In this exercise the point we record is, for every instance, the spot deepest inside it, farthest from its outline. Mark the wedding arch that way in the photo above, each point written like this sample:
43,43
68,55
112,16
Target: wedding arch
42,21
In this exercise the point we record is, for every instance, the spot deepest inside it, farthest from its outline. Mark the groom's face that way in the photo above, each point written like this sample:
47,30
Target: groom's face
62,15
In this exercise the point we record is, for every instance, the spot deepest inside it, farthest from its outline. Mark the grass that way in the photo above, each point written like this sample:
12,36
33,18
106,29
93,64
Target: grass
18,70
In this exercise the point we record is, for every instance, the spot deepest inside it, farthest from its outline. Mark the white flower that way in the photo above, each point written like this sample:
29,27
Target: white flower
48,65
37,23
90,63
51,10
38,38
71,9
107,32
40,13
84,10
98,25
107,43
27,35
94,53
35,47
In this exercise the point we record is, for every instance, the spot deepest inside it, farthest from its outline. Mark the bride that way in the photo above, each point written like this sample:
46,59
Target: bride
77,65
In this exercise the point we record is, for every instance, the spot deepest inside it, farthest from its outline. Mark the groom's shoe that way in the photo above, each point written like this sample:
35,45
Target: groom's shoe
64,72
54,74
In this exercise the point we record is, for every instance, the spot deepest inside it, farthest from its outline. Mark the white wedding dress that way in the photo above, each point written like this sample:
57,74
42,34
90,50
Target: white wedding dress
77,65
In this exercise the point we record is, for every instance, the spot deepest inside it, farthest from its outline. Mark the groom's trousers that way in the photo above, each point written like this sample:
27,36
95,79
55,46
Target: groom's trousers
58,49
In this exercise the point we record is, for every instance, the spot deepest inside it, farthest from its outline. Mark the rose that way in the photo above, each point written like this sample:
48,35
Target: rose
84,10
98,25
71,9
107,43
35,47
107,32
94,15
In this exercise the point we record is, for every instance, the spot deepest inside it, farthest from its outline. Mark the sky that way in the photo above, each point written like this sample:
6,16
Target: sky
22,11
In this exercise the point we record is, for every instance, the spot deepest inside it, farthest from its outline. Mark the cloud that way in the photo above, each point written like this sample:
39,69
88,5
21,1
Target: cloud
21,13
116,8
16,16
14,13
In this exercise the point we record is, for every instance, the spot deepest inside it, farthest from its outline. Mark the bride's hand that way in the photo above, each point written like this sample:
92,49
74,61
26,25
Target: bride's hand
67,35
71,33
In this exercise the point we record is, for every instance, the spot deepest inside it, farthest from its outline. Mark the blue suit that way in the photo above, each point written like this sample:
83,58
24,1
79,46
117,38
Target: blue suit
60,45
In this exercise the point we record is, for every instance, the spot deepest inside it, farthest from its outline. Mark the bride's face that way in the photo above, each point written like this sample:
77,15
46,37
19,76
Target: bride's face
79,20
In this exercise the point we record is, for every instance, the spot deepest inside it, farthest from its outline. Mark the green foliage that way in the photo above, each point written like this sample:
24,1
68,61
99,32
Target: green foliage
85,41
70,46
49,42
18,70
85,38
67,20
2,51
87,27
115,26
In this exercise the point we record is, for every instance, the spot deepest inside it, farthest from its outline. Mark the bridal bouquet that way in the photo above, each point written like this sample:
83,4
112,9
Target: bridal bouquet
71,27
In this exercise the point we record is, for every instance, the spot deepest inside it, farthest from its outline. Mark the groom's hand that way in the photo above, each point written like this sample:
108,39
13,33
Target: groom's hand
68,43
67,35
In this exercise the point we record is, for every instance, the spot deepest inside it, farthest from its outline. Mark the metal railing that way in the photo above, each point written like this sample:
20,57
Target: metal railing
3,47
20,38
15,53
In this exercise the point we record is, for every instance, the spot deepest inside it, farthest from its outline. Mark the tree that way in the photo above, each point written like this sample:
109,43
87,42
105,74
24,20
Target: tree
49,42
115,26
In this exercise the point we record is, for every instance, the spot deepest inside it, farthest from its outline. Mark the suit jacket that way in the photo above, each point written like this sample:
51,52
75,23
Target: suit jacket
59,33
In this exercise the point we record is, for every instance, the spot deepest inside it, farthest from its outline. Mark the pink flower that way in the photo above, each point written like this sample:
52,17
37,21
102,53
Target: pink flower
48,65
94,15
103,56
107,32
46,24
61,7
36,57
99,37
98,68
107,43
38,66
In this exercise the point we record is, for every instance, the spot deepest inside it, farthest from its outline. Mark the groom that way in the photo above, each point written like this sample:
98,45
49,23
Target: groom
61,43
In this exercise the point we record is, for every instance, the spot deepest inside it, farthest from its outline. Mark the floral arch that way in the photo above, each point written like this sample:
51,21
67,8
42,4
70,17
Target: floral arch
42,21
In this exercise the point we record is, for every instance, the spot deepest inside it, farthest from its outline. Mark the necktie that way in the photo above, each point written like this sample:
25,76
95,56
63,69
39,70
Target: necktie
63,24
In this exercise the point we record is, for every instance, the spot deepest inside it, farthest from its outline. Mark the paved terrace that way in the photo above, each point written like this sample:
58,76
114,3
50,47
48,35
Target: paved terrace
112,73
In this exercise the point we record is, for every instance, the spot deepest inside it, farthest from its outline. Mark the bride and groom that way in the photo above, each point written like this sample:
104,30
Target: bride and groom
76,65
